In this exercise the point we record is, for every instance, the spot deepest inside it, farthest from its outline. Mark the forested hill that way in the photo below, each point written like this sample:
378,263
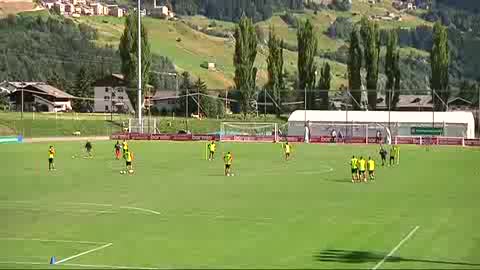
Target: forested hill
232,10
473,5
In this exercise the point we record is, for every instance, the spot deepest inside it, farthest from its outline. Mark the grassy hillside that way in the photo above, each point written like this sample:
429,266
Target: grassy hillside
16,6
189,48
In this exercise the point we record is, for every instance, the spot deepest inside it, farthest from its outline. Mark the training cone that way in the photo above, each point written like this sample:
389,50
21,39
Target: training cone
52,260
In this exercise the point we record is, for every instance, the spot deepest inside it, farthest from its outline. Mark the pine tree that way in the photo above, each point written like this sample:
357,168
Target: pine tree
275,83
354,68
128,48
324,86
392,70
440,60
307,50
371,40
83,88
244,60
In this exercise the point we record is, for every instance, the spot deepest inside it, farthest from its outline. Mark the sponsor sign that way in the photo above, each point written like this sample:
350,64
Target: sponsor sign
205,137
426,131
449,141
472,142
161,137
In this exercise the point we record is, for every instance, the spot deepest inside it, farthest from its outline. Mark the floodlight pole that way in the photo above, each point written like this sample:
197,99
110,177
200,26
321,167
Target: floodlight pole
478,113
139,33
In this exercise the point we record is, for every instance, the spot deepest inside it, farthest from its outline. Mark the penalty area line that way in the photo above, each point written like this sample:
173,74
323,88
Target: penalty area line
405,239
83,253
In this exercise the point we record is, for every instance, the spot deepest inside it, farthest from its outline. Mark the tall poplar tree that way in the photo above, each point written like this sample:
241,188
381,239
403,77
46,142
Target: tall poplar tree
307,50
371,42
275,84
128,49
440,60
392,70
244,60
354,68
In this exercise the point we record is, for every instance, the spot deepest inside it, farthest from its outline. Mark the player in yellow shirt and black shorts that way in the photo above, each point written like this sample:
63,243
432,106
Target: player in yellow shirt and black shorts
228,159
287,149
354,165
211,149
361,168
51,156
371,168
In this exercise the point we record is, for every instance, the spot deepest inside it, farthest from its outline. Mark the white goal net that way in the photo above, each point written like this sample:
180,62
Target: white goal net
372,131
248,129
148,125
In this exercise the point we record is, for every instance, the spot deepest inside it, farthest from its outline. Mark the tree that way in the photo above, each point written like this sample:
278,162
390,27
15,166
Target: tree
185,86
58,81
83,88
275,83
354,68
392,70
440,60
243,60
307,50
371,40
128,48
324,86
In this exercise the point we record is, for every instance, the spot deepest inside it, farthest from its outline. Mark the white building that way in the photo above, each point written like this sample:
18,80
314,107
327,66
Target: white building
110,95
360,123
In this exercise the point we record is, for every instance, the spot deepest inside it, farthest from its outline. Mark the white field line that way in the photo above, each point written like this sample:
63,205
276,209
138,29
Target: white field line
52,240
97,266
83,253
58,210
93,204
396,248
141,209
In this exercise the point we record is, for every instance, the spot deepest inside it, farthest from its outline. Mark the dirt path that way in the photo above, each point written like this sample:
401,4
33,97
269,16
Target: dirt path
66,139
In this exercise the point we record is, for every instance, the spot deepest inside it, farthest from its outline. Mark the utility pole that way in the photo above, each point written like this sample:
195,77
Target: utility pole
265,102
139,33
433,109
111,104
478,112
21,114
198,102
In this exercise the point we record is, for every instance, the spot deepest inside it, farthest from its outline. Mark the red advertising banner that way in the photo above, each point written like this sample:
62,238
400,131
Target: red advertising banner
293,139
354,140
182,137
120,136
161,137
449,141
143,137
472,142
205,137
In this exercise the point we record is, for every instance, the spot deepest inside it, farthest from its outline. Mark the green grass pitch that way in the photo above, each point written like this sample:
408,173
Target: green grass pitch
179,211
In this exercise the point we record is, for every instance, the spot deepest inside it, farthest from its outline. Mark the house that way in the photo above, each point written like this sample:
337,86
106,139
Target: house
165,100
99,9
115,11
39,96
161,11
86,10
211,66
69,8
60,6
110,94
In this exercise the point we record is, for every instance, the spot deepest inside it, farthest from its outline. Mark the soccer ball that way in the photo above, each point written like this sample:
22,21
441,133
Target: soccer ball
232,174
122,172
73,156
130,171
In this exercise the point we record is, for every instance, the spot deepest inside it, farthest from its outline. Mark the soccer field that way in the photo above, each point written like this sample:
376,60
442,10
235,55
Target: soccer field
179,211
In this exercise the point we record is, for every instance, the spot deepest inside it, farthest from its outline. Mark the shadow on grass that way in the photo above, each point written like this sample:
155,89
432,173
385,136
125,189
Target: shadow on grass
353,256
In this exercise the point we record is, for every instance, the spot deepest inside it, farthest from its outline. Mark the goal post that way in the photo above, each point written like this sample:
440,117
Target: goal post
248,129
352,132
148,125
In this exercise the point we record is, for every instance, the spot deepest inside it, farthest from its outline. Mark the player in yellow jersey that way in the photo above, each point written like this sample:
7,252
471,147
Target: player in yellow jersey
128,156
371,168
212,147
287,148
361,168
51,156
228,159
354,165
125,146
